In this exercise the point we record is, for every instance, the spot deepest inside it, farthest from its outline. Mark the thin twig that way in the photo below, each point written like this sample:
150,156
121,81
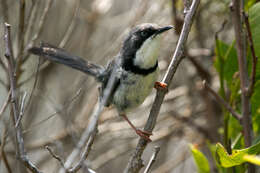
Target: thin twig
3,65
14,102
152,160
5,103
84,154
220,29
34,86
222,102
55,156
135,163
21,112
251,44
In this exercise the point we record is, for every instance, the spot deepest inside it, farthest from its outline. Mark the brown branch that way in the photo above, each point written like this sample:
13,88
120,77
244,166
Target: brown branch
55,156
235,7
222,102
14,102
152,160
21,110
220,29
135,163
251,44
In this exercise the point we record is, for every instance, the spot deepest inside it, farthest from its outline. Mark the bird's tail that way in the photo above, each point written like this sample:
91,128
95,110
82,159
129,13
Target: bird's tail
60,56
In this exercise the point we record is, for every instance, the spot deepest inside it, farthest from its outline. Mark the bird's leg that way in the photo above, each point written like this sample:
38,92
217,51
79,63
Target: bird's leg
161,86
143,134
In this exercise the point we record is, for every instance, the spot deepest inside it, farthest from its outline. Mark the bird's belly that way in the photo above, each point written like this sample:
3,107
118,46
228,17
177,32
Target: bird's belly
132,90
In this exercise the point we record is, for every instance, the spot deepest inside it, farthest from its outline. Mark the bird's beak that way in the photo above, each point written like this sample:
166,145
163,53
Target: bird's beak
163,29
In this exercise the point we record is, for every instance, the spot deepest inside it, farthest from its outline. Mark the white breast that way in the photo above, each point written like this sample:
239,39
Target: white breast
147,54
133,90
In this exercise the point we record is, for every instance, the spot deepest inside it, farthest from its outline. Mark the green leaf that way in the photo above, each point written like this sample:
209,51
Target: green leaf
237,157
252,159
200,160
212,148
255,102
254,20
226,61
249,3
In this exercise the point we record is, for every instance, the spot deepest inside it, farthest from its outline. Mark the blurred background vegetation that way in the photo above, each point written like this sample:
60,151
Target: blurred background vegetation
59,100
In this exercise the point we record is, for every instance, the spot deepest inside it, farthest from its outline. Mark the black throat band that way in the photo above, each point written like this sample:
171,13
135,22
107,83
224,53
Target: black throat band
130,66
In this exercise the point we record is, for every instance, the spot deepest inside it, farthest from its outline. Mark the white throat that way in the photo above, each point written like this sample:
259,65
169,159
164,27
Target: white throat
147,54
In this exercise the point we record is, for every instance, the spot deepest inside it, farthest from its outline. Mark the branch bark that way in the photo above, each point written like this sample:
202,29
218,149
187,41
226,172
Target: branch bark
236,8
243,75
251,44
14,102
135,163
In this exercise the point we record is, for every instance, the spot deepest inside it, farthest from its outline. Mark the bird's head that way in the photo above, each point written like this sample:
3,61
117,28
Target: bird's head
141,45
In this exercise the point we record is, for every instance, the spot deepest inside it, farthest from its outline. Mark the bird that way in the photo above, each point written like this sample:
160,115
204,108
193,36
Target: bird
136,63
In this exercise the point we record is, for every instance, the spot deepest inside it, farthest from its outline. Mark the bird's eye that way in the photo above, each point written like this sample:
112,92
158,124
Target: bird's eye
144,34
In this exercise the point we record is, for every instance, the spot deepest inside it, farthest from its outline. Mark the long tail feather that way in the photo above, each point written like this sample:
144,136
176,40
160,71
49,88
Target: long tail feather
60,56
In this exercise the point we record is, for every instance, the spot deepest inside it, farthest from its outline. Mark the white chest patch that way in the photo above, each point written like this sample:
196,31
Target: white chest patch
133,89
147,55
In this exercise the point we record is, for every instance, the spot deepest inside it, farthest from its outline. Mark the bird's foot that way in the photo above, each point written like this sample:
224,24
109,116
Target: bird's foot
144,134
161,86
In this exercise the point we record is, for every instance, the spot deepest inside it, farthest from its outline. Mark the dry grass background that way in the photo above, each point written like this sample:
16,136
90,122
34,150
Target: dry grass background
63,99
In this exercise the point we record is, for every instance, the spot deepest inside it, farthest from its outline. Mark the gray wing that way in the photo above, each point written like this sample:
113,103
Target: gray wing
60,56
106,76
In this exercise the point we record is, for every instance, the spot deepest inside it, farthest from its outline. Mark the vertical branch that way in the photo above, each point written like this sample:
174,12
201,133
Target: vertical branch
236,8
14,102
244,79
135,163
251,44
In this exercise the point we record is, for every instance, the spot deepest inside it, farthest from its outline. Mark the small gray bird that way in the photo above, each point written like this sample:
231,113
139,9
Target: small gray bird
137,63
